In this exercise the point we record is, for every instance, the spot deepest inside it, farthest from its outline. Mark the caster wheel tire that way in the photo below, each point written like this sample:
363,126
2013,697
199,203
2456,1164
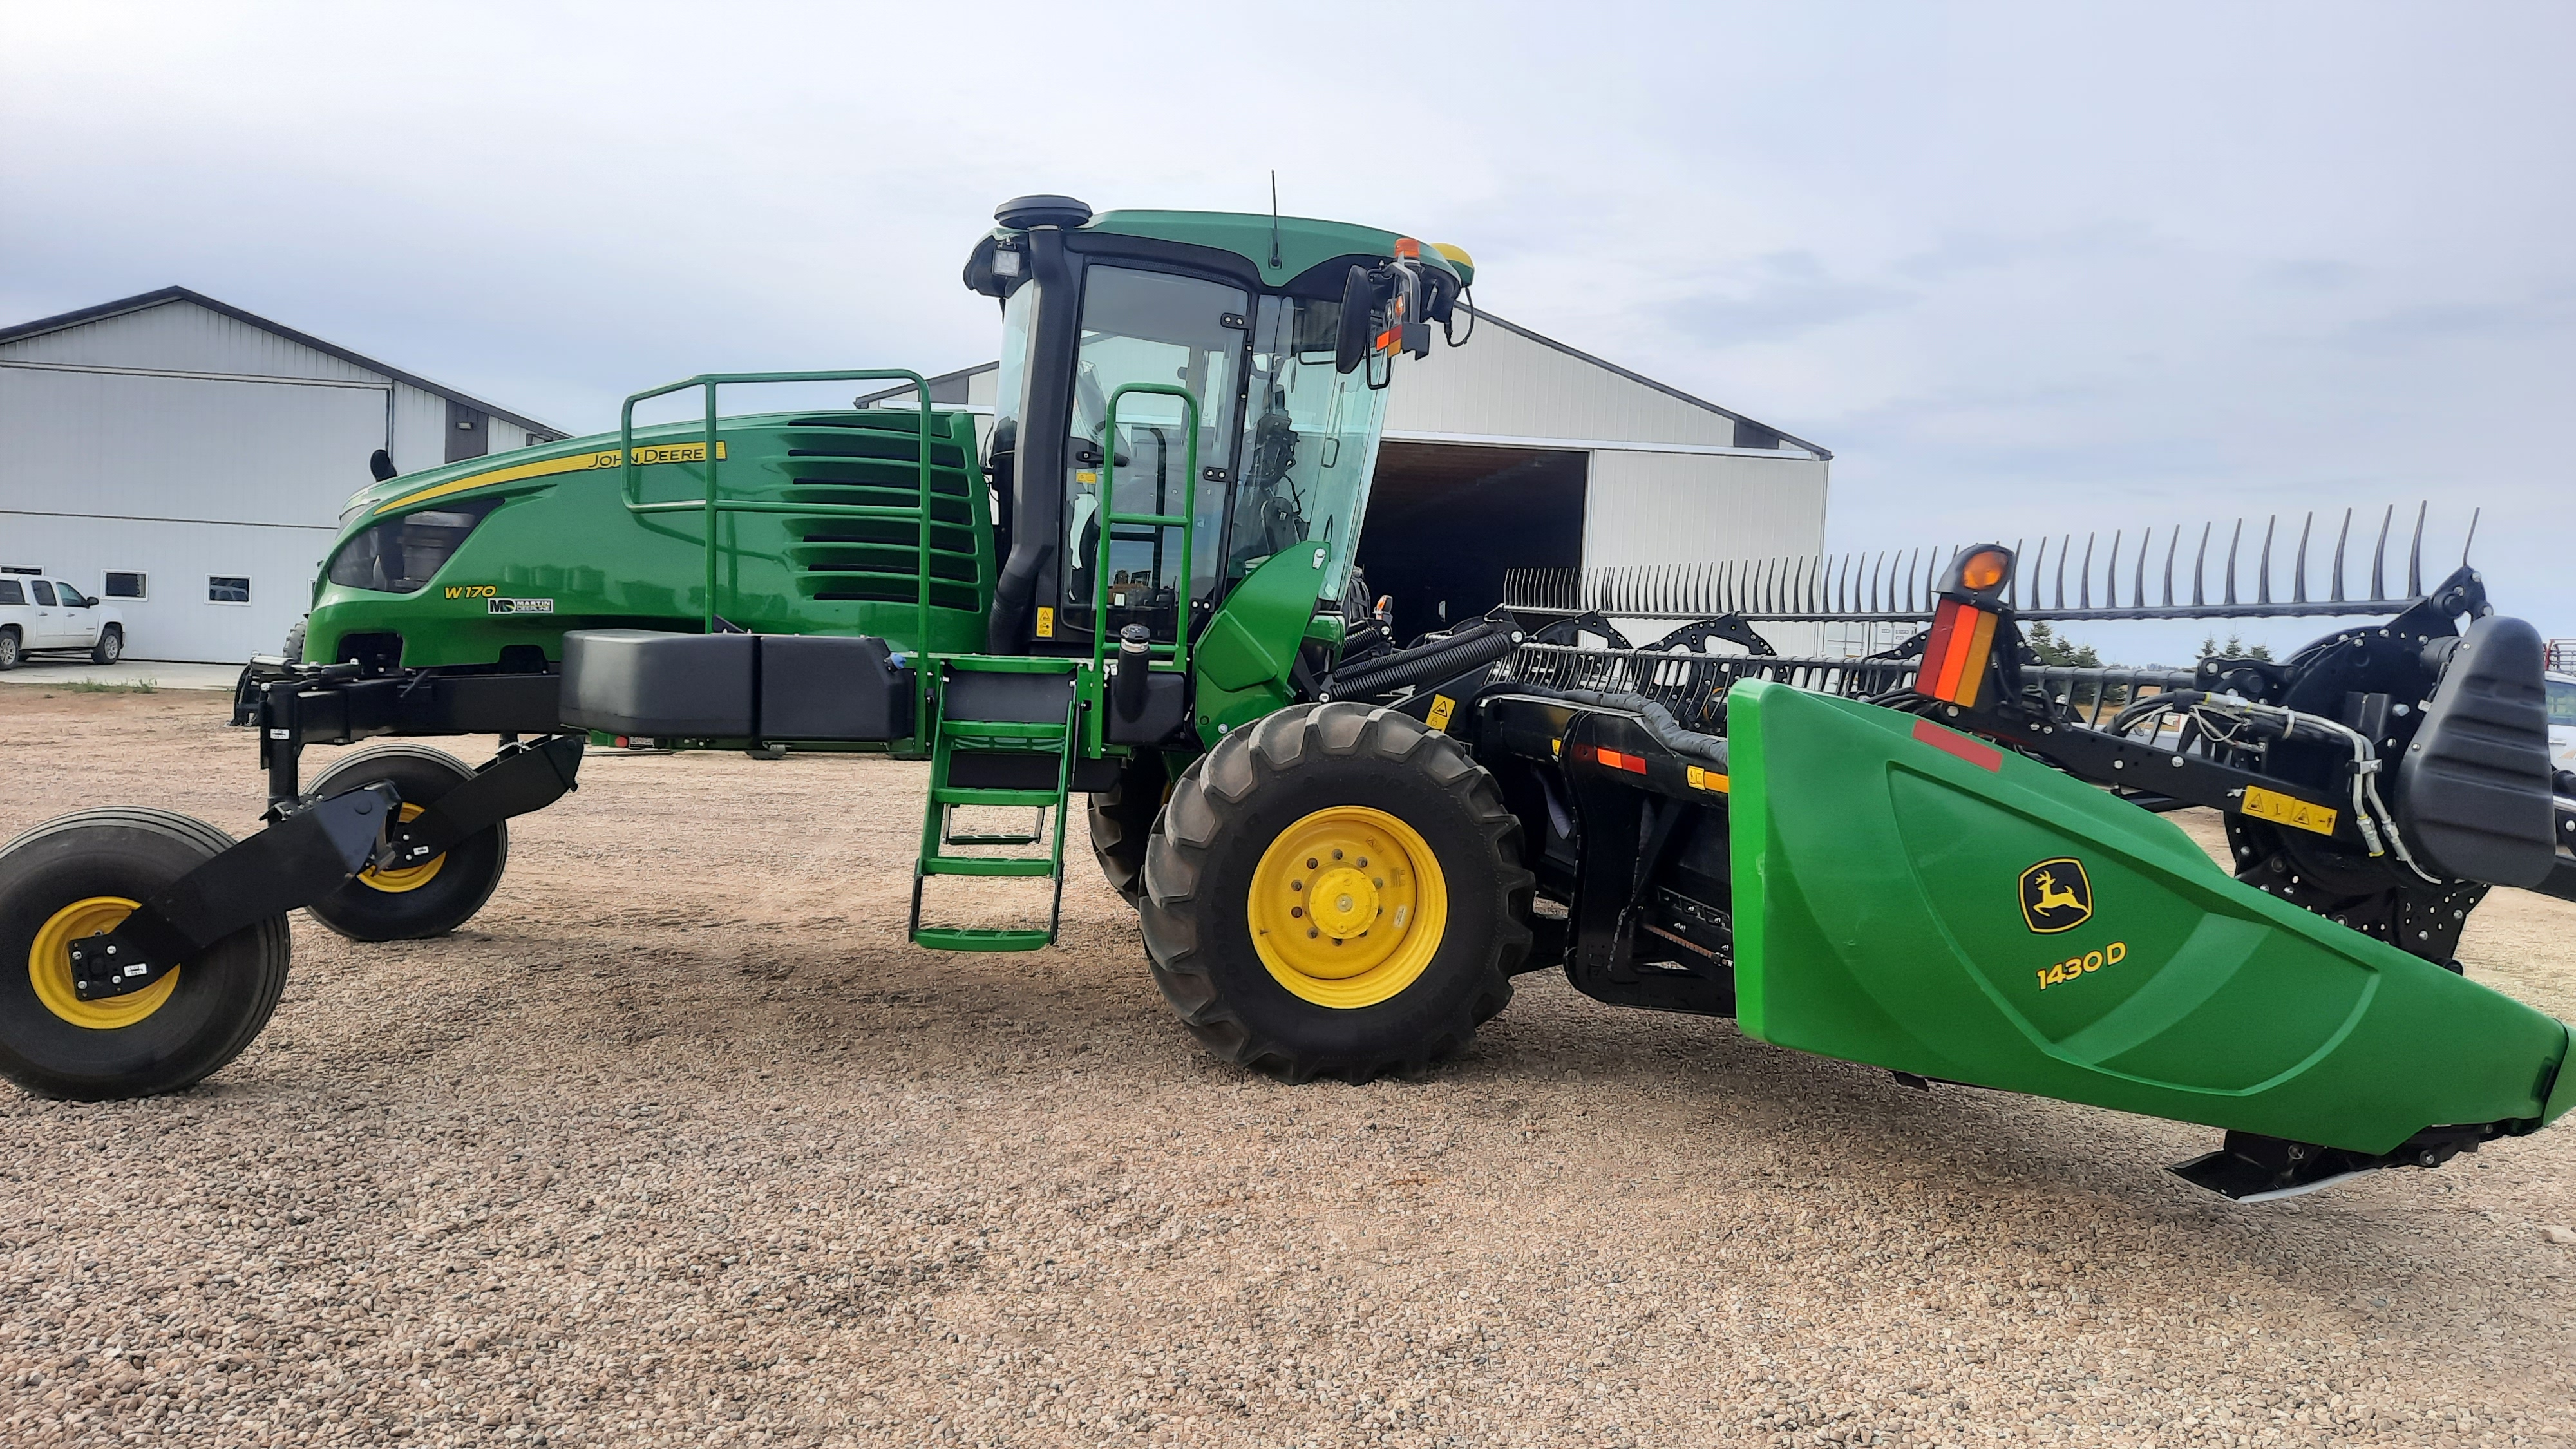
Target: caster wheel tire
1122,821
1336,891
79,876
431,898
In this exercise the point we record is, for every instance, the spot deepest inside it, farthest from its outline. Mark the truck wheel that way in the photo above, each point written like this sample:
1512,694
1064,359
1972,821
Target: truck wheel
79,876
110,646
431,898
1336,891
8,648
1122,821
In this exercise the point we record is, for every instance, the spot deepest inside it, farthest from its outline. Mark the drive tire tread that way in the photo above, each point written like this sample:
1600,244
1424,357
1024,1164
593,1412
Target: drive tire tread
1279,769
1122,824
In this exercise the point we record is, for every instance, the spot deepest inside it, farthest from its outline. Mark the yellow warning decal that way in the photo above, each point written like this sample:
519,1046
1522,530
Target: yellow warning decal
1707,780
1441,706
645,457
2289,810
1046,622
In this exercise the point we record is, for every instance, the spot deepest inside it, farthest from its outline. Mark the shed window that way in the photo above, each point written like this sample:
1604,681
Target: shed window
226,589
123,586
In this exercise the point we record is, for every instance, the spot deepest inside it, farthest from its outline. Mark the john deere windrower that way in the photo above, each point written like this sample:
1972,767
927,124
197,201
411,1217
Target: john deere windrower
1137,587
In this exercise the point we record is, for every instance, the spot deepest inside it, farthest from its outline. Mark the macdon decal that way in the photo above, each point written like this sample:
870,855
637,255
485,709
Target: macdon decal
520,606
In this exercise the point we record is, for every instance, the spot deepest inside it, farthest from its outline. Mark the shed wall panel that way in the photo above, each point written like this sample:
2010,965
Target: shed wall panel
128,445
420,430
177,621
1503,384
1682,508
183,337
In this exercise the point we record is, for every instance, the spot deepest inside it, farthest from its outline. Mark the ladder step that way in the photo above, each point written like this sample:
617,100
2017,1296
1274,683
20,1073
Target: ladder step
1037,735
965,795
965,938
981,865
1010,664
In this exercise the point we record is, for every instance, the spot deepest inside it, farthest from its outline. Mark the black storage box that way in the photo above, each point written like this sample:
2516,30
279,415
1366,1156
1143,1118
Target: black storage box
823,688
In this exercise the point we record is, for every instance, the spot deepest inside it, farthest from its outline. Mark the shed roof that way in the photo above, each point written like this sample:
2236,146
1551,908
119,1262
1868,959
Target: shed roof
542,432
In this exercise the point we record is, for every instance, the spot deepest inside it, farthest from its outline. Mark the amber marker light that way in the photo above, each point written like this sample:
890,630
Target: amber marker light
1985,569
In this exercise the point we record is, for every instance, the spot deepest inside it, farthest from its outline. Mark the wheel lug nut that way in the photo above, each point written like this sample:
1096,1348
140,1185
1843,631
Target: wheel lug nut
1337,855
1312,933
1296,910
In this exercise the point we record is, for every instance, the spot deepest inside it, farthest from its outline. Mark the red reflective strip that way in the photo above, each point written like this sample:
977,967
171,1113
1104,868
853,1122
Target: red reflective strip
1937,649
1951,742
1634,764
1963,635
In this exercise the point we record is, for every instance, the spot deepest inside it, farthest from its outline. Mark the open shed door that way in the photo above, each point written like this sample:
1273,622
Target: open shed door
1446,519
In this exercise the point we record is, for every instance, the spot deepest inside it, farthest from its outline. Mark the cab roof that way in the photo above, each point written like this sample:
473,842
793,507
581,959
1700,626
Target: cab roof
1303,242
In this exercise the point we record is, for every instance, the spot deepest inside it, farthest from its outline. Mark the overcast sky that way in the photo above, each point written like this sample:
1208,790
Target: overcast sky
2018,267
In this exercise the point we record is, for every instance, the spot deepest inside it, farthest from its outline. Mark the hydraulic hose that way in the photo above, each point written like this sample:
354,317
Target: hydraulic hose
1482,642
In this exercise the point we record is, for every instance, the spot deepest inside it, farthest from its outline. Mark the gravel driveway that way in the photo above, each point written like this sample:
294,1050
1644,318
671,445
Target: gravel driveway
680,1143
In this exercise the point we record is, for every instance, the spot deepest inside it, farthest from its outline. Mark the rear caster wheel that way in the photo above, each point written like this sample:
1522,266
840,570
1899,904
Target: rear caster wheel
79,876
1336,891
431,898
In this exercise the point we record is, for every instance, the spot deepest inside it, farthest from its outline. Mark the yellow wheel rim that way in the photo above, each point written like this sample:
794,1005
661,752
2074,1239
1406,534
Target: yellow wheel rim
49,967
409,877
1348,907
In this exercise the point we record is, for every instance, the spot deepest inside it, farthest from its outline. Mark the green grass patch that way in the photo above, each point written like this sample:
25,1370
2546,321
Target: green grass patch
103,686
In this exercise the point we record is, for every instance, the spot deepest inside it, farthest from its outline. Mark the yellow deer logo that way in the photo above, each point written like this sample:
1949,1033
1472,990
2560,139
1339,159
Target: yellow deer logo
2056,896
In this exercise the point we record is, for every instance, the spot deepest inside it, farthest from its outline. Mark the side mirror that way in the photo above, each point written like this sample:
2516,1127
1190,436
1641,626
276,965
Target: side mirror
1359,307
381,463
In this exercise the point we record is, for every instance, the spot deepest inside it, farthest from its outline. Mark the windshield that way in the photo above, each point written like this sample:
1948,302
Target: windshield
1150,327
1309,442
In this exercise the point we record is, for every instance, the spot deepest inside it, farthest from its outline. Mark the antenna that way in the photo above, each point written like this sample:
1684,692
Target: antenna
1275,263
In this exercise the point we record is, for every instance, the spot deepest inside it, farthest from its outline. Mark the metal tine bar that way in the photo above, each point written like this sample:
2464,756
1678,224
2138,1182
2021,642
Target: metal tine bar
2065,546
2299,569
2379,557
2038,562
2084,576
2138,584
2198,560
2173,541
2415,554
2472,538
2232,540
2263,575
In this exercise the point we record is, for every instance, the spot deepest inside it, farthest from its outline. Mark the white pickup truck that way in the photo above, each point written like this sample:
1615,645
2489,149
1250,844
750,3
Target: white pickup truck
46,614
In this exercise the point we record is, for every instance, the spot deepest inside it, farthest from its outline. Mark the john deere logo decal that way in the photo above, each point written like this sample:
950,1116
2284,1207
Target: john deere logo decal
2055,896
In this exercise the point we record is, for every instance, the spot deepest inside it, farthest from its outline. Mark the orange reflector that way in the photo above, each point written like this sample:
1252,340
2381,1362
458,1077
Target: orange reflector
1984,569
1954,658
1634,764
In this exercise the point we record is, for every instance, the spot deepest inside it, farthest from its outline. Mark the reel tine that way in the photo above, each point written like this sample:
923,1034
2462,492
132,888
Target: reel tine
2299,570
2379,557
2232,540
2340,535
2415,554
2467,542
2173,541
2263,573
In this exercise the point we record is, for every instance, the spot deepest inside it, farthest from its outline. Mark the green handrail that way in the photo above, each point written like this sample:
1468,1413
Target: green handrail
630,480
1110,518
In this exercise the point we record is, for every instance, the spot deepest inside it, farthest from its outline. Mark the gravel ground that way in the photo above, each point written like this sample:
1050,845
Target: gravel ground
680,1143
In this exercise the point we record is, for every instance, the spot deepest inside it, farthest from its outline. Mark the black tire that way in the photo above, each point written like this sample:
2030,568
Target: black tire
1258,783
9,650
213,1007
110,646
294,646
1122,822
465,876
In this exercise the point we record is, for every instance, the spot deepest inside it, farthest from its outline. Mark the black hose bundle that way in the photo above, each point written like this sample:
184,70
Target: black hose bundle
1481,642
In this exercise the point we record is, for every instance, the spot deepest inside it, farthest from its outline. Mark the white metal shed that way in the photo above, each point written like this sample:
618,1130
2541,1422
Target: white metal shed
188,460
